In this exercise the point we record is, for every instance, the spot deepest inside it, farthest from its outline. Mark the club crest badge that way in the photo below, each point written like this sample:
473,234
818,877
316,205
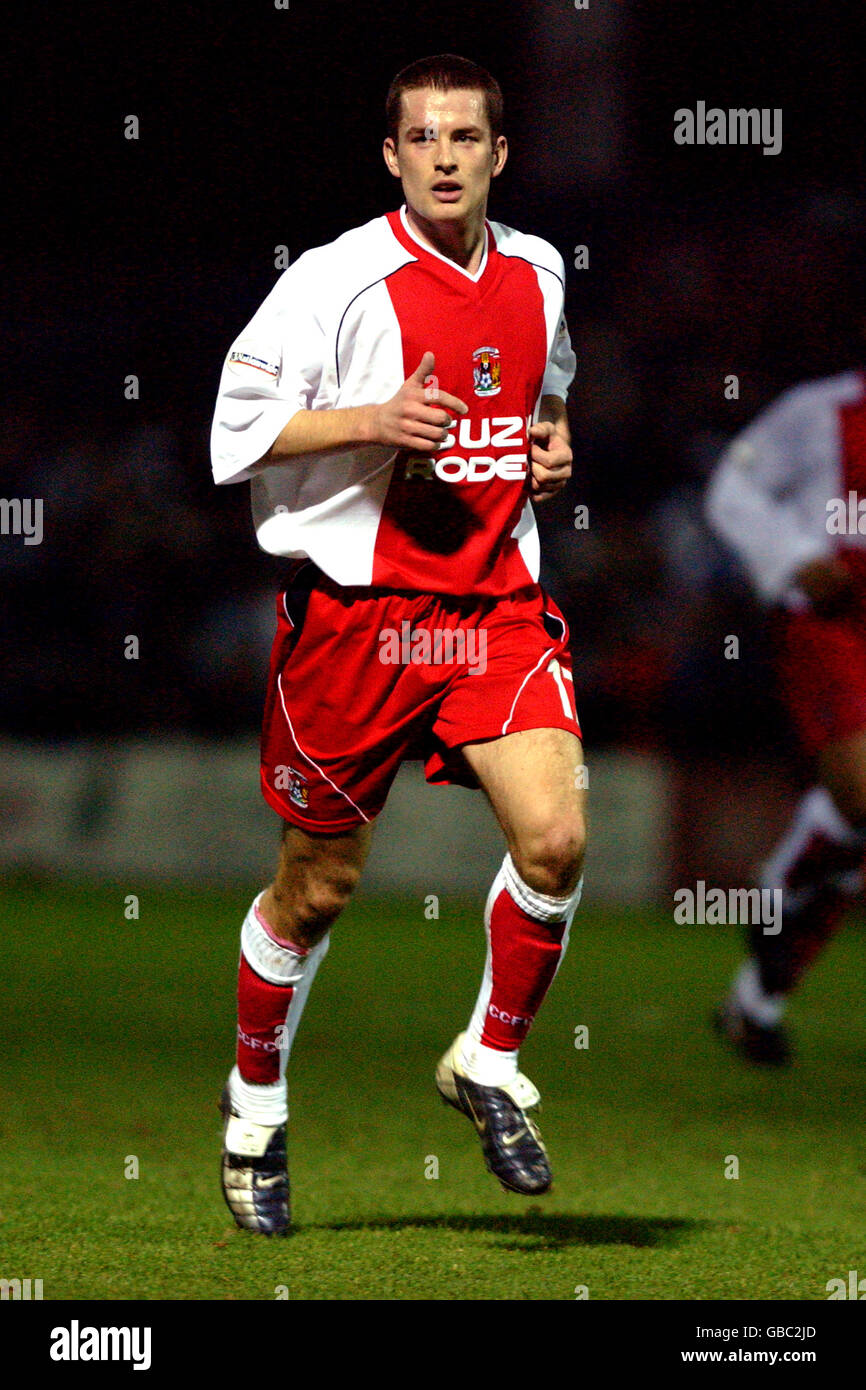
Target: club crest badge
486,371
297,788
288,779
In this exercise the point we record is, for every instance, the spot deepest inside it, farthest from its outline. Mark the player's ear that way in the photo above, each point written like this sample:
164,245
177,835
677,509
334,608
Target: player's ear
389,152
500,154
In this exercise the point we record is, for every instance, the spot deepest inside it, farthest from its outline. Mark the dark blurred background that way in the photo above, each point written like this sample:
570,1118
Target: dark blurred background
261,127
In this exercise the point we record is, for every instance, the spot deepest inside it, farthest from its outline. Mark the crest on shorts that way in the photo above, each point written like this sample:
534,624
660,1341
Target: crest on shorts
297,788
486,371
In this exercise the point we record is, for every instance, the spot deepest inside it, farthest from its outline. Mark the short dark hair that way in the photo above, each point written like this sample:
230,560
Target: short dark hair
444,73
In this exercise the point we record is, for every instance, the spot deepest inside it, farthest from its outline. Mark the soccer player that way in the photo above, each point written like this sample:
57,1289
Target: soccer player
785,498
397,403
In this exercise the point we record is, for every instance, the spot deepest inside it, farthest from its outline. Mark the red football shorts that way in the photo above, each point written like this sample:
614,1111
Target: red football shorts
361,679
822,666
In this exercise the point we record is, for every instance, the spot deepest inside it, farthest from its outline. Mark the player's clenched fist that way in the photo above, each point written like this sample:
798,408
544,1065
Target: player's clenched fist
419,416
551,460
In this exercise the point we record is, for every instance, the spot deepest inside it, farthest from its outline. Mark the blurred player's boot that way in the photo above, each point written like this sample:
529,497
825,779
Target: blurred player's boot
512,1145
751,1016
764,1045
254,1172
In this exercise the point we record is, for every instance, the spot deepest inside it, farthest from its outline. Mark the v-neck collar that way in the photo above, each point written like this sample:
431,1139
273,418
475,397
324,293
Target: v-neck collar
473,279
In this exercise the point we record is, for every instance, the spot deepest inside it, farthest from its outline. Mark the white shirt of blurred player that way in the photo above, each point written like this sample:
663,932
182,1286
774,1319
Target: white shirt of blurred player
768,496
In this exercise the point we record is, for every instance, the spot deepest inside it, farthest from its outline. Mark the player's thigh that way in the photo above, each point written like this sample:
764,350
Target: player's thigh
535,783
842,770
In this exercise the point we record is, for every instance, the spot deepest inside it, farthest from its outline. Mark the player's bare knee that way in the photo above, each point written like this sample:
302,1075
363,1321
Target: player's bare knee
324,896
551,860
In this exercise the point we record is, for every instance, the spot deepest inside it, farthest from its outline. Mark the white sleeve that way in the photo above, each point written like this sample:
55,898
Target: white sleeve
561,364
273,370
767,497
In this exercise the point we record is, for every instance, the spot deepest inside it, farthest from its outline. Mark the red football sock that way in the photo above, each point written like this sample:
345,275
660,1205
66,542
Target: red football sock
524,957
527,935
262,1010
268,974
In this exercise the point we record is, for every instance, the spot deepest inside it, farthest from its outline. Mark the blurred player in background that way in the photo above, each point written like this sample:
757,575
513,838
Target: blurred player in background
397,402
785,498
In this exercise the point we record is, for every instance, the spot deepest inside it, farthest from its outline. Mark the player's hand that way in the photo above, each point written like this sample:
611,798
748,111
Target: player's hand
420,415
826,582
551,460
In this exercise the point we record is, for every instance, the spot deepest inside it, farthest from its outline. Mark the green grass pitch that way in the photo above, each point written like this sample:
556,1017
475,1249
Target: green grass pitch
118,1036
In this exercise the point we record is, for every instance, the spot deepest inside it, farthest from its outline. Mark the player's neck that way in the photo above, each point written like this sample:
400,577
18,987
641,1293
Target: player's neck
462,243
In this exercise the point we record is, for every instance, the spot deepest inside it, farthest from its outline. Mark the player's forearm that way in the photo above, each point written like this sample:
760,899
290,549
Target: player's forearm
322,431
553,408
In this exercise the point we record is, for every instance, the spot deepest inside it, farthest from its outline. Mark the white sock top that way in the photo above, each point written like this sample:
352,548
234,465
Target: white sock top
765,1009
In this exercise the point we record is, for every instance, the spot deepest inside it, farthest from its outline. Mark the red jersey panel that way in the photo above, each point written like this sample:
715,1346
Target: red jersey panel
490,343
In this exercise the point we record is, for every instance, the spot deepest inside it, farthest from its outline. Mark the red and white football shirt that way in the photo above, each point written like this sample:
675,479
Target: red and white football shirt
776,498
768,498
345,326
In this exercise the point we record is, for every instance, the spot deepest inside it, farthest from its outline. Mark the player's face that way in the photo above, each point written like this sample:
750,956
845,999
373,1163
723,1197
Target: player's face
444,154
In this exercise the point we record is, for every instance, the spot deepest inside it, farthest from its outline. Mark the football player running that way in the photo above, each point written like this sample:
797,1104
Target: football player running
781,497
398,403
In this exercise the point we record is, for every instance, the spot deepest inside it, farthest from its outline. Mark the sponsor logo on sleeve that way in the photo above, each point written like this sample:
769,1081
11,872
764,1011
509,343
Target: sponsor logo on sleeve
244,358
